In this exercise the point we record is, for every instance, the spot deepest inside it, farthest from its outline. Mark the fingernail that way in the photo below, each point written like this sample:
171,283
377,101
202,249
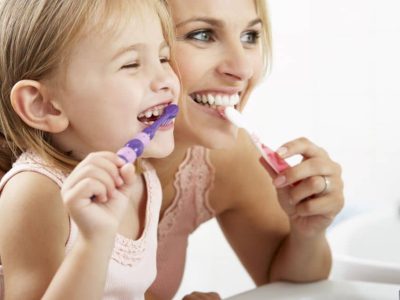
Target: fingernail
282,151
120,181
121,161
279,181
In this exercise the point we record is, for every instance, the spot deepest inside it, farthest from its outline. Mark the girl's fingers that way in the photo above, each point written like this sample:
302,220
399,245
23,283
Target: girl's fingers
103,166
85,189
128,174
108,161
95,173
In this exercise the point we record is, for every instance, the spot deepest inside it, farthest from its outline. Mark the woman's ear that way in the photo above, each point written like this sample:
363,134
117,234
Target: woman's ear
33,104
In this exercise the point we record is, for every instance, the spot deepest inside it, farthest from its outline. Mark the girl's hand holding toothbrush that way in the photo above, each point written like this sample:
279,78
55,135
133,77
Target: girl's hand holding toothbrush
311,192
97,192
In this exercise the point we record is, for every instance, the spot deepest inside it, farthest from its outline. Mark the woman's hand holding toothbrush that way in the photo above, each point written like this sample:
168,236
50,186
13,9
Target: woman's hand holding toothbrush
311,192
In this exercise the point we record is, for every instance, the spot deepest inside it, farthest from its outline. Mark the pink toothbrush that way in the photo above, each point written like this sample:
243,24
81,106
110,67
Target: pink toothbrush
277,163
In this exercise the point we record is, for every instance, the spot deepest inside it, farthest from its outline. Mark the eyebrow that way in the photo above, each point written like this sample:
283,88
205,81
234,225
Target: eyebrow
135,47
214,22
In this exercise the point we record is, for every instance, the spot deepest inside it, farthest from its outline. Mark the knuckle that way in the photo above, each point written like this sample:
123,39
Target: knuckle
304,140
307,207
316,182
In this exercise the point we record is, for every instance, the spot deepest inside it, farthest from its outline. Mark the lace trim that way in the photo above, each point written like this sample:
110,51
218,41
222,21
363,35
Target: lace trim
193,180
128,252
34,161
207,213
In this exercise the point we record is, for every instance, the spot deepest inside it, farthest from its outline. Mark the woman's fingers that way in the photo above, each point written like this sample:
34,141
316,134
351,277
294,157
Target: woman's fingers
301,146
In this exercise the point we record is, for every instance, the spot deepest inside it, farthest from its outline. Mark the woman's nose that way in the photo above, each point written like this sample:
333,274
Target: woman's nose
236,63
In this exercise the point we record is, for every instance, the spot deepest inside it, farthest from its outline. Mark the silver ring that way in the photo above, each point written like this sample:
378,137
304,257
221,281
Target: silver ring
326,187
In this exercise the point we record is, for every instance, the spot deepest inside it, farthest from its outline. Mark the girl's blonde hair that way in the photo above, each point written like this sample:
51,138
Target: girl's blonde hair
36,37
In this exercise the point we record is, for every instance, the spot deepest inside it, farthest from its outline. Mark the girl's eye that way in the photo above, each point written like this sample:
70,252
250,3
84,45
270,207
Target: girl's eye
250,37
204,35
131,66
164,60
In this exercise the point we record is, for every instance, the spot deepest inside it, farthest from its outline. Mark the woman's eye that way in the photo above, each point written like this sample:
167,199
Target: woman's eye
201,36
250,37
131,66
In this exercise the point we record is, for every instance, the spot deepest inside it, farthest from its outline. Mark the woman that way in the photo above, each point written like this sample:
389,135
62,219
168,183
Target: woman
275,224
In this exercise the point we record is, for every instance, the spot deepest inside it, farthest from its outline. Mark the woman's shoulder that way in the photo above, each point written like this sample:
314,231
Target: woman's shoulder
239,172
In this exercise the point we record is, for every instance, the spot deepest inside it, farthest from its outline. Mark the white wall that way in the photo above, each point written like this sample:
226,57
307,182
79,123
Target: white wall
335,79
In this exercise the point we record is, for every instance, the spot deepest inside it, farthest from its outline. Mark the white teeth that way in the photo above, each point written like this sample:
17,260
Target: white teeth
154,111
225,100
211,99
217,100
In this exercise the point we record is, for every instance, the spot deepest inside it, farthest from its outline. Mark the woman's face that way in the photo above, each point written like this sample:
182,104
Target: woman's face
219,57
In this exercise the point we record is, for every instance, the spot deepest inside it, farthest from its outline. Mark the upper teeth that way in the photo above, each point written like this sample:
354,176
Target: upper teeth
154,111
218,99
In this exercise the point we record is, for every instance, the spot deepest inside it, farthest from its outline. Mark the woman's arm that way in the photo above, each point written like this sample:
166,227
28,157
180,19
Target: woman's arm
256,222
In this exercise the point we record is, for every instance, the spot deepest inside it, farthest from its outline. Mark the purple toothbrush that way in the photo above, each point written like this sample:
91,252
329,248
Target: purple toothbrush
134,148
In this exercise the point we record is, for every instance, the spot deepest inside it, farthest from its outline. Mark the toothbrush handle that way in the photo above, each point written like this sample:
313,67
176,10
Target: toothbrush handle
134,148
277,163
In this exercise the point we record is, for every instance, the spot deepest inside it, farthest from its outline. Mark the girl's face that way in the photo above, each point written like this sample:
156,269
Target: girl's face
219,57
115,85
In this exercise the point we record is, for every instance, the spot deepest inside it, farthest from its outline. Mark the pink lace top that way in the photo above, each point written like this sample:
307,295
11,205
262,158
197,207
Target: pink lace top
189,209
132,267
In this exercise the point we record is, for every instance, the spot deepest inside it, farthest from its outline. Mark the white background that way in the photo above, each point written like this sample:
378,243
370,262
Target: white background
335,79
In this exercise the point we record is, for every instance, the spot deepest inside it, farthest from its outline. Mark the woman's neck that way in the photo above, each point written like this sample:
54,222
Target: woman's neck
168,166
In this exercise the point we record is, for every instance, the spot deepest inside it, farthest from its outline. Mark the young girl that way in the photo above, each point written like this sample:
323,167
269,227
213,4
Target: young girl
276,228
80,77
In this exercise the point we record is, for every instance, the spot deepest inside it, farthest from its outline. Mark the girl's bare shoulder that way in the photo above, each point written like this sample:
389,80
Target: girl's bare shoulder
32,213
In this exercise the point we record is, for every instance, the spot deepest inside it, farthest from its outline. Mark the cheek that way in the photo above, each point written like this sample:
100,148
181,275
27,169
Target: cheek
190,64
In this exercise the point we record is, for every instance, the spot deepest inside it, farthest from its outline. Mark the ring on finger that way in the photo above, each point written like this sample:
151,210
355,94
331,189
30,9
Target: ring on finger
326,186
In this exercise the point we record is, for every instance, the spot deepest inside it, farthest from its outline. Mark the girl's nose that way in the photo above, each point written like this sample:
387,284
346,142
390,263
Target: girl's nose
165,79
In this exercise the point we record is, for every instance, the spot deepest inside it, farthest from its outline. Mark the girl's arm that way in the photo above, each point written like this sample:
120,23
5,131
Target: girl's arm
33,233
32,244
82,275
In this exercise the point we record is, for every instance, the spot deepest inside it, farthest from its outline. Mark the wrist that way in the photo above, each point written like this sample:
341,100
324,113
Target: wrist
101,240
299,237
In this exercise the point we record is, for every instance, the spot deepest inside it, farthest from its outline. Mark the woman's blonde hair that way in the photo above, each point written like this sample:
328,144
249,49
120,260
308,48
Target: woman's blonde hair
36,37
266,46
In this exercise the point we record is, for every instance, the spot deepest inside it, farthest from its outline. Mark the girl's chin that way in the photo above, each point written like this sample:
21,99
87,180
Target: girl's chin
159,149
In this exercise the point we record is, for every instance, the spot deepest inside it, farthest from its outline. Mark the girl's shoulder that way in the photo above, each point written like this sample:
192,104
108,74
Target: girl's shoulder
32,200
31,209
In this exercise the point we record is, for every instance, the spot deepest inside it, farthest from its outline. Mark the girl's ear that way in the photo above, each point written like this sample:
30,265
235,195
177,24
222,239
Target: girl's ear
32,103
